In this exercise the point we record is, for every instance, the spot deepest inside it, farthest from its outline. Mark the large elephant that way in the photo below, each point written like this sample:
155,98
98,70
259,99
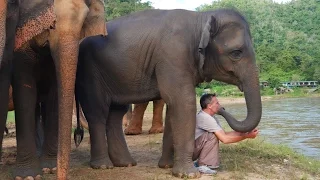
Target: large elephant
59,24
47,118
163,54
135,123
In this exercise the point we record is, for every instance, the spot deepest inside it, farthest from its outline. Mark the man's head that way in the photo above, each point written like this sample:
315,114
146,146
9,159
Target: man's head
209,103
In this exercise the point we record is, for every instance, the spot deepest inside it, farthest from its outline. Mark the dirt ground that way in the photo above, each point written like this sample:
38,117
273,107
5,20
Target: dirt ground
145,149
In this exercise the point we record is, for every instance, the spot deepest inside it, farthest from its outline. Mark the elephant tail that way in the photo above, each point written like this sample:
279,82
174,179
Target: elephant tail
78,132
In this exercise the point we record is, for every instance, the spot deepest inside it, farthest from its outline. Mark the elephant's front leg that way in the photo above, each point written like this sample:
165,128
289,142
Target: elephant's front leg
182,113
118,149
183,117
25,97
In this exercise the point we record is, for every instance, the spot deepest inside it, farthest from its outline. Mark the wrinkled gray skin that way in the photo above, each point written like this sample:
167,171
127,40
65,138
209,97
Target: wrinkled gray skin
31,26
158,53
34,82
7,35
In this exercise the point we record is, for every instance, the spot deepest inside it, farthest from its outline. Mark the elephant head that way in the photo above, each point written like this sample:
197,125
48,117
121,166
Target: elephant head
227,54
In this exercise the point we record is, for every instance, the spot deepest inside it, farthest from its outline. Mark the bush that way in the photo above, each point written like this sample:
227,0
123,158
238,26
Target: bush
267,91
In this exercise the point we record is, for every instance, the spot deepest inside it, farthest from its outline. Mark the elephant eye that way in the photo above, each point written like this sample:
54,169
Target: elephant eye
236,54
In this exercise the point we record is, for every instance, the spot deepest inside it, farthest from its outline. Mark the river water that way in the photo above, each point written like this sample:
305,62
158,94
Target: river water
294,122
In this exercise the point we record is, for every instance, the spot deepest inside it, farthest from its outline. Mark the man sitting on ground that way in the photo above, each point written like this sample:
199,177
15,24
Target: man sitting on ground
208,134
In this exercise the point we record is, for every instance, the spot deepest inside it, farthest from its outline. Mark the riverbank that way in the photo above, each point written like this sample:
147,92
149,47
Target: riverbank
251,159
237,100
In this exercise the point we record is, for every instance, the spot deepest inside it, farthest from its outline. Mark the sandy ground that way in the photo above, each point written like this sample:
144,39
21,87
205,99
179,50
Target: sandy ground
145,149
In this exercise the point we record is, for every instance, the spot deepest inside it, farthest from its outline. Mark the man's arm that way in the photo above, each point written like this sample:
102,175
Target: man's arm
233,136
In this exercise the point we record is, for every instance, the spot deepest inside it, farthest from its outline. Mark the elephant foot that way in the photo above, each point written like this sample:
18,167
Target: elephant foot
49,171
132,131
185,170
165,163
122,159
49,165
101,164
38,177
27,173
124,162
156,129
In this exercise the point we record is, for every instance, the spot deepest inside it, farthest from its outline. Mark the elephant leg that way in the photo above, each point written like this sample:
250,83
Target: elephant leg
96,111
25,97
5,74
127,117
118,149
135,124
99,151
157,124
166,160
182,112
50,144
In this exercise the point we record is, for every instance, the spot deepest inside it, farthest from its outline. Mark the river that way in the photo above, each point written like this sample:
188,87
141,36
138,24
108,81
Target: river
294,122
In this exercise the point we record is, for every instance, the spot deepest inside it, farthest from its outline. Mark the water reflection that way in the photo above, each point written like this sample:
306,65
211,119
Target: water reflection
294,122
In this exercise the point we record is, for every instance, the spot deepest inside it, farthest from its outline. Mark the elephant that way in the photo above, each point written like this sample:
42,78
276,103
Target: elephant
58,25
135,124
40,119
281,90
156,54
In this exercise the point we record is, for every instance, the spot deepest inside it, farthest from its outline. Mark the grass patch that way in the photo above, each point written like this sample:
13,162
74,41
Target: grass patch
248,156
10,117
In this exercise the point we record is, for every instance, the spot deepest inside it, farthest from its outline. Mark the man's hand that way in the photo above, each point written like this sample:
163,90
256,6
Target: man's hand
252,134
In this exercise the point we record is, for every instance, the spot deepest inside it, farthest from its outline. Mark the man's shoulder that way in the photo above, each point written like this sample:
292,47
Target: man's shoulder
203,114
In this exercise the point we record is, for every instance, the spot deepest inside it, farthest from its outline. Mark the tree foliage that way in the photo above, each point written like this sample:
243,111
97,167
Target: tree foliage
117,8
286,36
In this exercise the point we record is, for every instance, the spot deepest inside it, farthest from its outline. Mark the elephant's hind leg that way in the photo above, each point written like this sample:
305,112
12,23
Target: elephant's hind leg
135,124
118,149
96,111
157,123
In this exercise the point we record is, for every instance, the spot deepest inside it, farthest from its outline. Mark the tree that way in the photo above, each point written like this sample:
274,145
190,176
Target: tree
117,8
286,36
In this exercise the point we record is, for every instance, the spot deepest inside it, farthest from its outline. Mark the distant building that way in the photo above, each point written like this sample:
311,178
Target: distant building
300,84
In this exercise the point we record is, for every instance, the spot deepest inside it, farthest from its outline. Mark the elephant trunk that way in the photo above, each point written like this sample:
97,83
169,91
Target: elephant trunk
3,17
254,108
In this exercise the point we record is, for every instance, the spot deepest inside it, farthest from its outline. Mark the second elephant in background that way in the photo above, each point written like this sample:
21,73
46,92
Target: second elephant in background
134,122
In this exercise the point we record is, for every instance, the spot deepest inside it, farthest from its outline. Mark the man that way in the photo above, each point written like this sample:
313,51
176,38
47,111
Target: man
208,134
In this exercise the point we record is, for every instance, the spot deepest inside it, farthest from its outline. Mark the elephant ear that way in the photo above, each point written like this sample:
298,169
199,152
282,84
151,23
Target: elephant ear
208,32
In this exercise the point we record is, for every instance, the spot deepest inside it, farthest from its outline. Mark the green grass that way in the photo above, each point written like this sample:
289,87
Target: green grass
10,117
249,154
